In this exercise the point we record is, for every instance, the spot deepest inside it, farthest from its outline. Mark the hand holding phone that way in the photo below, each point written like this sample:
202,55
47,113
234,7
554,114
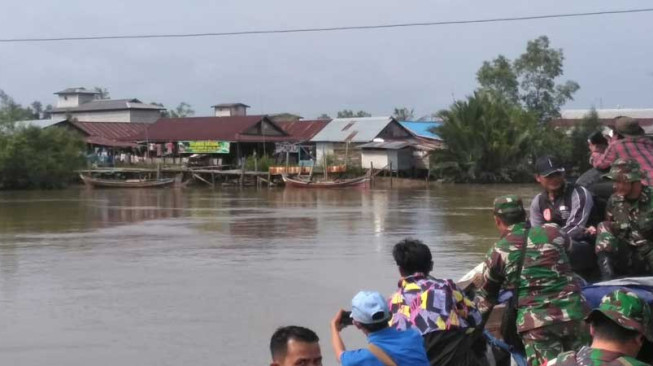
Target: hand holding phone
345,319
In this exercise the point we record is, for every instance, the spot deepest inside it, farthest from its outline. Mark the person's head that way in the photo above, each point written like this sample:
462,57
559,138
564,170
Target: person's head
627,177
508,210
622,321
370,312
412,256
550,173
596,138
295,346
626,126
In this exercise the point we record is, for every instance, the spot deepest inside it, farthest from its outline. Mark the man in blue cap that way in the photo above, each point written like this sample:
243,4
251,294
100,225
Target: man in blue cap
387,346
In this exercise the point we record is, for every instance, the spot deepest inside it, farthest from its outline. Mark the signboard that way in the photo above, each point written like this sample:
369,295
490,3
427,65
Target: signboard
285,147
203,147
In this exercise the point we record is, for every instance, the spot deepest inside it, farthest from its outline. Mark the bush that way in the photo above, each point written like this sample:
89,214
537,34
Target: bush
39,158
490,140
262,163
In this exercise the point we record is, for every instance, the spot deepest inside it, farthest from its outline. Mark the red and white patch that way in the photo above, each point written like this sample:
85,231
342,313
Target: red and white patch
547,214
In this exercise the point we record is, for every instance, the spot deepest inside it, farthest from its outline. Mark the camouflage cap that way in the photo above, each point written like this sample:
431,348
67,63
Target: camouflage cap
628,310
625,170
508,203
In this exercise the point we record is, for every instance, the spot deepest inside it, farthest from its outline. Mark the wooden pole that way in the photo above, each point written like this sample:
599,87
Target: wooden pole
346,154
391,174
242,174
269,177
372,173
325,164
310,173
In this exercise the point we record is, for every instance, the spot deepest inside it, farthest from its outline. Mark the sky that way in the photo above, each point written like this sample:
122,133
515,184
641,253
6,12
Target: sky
423,68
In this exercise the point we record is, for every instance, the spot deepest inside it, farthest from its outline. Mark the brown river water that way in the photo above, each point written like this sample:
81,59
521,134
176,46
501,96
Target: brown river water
203,277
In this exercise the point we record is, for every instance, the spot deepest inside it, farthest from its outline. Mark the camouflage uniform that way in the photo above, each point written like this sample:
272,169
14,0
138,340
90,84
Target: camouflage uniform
625,239
624,308
551,306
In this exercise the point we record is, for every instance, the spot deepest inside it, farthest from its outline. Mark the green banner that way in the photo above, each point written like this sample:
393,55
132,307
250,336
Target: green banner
203,147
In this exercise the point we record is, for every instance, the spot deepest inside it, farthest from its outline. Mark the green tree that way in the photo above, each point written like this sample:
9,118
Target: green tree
31,157
103,93
530,80
10,111
404,114
498,77
486,140
324,116
579,134
348,113
183,110
37,109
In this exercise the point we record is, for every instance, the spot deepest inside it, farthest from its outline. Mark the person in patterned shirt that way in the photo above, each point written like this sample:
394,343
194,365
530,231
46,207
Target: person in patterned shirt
624,242
436,308
550,305
618,328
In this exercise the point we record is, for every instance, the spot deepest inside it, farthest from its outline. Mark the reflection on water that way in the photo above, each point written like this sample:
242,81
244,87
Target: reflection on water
165,277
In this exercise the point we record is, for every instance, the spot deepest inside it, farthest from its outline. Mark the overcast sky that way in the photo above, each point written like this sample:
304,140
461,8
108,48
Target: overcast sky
611,57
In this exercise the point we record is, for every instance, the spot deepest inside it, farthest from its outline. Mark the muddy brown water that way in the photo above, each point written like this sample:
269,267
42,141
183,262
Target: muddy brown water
203,277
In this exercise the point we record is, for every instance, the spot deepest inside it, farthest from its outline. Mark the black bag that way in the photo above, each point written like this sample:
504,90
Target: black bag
509,320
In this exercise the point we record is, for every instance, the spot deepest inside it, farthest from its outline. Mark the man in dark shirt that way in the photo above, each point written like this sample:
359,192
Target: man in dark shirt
567,206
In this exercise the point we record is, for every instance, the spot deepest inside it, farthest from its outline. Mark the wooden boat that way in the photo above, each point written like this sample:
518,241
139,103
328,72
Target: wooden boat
300,183
126,183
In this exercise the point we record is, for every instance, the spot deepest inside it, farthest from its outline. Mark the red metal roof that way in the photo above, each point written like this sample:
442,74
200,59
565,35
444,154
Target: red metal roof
111,130
303,130
207,128
564,122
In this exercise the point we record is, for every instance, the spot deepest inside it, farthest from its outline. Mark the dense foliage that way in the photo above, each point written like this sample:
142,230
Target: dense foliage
495,134
31,157
489,140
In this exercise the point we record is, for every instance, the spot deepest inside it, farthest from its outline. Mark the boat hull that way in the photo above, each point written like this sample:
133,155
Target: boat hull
297,183
110,183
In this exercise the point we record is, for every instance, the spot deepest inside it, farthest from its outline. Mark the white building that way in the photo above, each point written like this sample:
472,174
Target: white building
230,110
84,105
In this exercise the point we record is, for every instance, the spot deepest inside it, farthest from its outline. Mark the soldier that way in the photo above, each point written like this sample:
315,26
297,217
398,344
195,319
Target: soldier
624,243
618,329
550,306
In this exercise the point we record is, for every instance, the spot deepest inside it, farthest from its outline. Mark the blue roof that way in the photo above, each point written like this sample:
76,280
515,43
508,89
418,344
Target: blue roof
422,128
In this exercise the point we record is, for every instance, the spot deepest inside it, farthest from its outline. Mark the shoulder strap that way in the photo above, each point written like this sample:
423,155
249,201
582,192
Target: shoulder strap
381,355
520,265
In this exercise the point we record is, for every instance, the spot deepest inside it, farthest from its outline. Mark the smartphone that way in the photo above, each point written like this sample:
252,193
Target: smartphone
346,319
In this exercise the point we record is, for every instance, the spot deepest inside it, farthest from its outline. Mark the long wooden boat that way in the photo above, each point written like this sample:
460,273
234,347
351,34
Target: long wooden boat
300,183
126,183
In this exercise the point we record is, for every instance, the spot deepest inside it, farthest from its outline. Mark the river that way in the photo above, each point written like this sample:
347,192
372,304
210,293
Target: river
203,277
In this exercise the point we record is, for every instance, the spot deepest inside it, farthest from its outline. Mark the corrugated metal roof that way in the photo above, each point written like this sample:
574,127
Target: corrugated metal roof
208,128
102,141
229,105
607,113
352,129
565,122
41,123
303,130
422,129
108,105
78,90
387,145
111,130
418,143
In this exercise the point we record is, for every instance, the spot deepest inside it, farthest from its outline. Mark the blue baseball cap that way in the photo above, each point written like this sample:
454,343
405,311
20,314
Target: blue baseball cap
369,307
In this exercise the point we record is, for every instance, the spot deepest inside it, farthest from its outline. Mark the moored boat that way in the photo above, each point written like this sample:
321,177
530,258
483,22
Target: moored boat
338,183
126,183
